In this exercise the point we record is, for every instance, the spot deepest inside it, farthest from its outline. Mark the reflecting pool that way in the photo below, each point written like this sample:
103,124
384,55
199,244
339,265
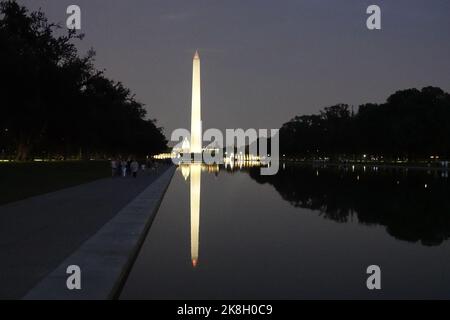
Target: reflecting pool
307,232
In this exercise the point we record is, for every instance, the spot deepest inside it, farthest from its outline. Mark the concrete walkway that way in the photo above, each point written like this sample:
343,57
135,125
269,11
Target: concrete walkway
39,233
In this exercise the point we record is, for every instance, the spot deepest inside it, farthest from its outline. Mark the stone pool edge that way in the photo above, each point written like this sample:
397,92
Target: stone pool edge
106,258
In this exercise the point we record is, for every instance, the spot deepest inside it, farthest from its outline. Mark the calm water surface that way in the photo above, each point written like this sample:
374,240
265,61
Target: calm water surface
304,233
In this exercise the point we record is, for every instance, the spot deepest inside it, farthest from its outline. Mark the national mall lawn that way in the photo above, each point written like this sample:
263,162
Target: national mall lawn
20,180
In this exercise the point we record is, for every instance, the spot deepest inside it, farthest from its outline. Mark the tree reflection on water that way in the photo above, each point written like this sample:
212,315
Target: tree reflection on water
413,205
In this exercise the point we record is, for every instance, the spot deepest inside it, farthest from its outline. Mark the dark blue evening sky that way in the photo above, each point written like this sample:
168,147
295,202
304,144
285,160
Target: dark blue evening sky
263,62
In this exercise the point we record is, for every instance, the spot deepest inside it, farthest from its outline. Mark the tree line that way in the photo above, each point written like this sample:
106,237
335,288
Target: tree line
55,103
412,124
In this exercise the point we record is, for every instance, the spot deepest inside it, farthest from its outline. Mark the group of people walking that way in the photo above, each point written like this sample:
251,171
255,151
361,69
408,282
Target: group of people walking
123,168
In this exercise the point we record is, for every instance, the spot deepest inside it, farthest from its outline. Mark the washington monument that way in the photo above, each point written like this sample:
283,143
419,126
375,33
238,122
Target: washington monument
196,148
196,120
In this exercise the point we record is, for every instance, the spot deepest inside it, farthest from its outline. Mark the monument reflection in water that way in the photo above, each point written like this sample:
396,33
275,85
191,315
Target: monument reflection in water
307,232
193,172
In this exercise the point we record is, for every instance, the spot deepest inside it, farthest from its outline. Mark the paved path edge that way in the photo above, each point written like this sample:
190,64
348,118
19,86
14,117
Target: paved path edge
106,258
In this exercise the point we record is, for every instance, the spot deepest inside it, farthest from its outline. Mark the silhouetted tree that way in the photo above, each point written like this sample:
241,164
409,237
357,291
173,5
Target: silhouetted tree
412,124
55,103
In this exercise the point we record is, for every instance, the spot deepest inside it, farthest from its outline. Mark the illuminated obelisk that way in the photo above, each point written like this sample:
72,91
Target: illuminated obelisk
196,171
196,120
